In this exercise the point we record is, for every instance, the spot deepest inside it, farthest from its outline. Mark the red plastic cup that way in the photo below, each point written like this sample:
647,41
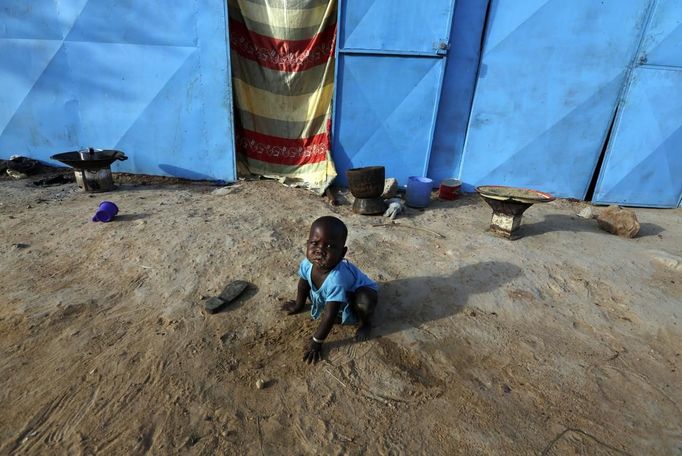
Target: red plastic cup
449,189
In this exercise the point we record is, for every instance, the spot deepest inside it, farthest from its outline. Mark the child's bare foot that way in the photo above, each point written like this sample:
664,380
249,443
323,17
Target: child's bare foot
363,332
290,307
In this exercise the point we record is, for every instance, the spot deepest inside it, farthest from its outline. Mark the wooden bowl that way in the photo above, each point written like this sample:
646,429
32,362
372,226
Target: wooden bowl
366,182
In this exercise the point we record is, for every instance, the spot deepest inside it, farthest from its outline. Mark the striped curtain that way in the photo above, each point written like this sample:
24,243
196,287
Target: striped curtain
283,80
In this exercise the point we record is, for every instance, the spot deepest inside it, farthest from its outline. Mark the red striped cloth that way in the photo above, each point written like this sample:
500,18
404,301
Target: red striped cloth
283,85
283,55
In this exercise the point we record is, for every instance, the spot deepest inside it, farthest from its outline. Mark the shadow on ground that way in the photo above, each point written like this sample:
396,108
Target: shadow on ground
559,222
131,217
649,229
415,301
575,224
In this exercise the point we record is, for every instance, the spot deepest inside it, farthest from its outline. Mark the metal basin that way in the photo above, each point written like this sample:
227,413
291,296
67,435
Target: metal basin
508,205
519,195
90,159
92,167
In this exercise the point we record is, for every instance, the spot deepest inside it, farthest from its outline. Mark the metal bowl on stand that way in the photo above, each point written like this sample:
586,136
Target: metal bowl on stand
92,167
508,205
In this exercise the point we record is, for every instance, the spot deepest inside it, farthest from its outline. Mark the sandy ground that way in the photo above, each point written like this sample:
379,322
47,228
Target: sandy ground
566,341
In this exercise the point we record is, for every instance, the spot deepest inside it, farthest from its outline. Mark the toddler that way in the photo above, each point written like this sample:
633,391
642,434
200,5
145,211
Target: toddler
337,289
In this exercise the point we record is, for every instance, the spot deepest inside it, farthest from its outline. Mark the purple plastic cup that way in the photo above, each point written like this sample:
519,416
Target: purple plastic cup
105,212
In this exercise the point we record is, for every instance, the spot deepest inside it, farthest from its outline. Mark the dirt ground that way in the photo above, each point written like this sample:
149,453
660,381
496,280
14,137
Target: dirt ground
566,341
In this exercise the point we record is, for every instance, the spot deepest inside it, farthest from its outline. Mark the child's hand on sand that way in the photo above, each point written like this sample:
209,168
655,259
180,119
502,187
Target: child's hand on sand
313,352
291,307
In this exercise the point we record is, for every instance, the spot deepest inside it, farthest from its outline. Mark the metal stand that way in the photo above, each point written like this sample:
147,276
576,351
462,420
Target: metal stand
507,217
509,204
94,181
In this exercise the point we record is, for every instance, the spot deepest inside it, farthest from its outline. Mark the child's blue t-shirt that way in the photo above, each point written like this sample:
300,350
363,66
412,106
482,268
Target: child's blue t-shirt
345,277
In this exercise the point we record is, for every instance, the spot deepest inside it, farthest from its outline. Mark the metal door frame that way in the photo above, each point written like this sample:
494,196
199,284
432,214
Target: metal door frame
439,53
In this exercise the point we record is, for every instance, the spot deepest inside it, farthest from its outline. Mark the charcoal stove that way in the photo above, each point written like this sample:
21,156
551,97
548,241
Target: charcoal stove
92,167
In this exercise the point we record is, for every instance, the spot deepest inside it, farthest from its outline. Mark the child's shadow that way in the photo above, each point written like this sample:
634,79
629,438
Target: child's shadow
414,301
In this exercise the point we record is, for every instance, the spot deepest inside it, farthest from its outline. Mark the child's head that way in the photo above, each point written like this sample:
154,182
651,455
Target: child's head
327,242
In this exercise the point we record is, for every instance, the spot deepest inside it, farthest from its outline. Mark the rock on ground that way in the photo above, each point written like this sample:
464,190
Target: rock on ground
617,220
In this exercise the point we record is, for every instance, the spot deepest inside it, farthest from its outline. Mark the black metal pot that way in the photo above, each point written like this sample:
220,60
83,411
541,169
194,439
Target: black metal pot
90,159
92,167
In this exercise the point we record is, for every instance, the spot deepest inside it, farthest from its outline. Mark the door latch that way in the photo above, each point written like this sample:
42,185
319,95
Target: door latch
442,48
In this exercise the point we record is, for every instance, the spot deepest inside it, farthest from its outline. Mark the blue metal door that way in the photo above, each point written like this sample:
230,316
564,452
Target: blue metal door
643,161
390,65
549,80
149,78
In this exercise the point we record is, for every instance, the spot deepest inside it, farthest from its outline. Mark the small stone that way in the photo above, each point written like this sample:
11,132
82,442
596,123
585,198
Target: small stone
586,213
617,220
260,383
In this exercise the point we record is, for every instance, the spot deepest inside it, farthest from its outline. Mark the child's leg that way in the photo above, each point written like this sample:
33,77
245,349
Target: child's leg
363,303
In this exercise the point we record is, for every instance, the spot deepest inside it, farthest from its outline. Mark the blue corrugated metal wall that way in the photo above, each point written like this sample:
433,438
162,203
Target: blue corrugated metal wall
154,82
149,78
550,78
643,164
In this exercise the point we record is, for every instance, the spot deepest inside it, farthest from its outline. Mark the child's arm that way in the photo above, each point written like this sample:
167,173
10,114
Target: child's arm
302,292
313,352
